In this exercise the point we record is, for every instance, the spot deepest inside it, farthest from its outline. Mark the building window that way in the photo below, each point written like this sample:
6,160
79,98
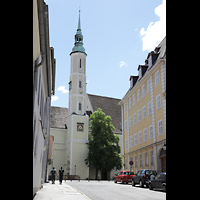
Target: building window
144,111
124,107
133,99
152,158
141,164
136,161
146,159
158,102
139,115
135,139
149,108
80,84
129,106
150,132
126,163
160,127
131,141
157,79
79,106
80,63
143,90
126,142
140,137
145,134
130,121
148,86
134,118
138,95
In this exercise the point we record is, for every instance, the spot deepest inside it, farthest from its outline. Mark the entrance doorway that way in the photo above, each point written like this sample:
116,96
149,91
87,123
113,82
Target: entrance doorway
163,160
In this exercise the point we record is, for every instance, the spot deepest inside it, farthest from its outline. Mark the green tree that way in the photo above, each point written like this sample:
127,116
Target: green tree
103,144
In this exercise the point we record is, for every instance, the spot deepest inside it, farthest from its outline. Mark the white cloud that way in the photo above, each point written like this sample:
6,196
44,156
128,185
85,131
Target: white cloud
62,89
54,98
155,31
122,63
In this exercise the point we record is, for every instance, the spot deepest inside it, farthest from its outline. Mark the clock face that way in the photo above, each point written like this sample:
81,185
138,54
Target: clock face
80,126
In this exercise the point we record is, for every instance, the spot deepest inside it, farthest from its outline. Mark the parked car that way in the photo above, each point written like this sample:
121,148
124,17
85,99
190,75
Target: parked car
142,177
124,176
158,182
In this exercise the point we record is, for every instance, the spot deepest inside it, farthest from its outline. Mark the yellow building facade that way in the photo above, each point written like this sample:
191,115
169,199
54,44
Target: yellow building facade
143,111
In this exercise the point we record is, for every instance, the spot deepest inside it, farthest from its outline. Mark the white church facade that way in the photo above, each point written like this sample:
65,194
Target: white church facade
70,126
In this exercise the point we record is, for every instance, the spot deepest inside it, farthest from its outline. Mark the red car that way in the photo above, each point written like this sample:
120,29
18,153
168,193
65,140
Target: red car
124,176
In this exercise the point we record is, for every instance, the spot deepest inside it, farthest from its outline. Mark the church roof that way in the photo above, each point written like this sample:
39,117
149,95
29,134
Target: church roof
107,104
58,117
110,107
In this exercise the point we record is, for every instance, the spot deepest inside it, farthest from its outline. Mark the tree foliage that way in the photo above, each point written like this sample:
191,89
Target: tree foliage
103,144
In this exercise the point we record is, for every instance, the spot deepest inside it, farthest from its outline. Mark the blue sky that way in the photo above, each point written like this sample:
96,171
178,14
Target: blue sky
117,36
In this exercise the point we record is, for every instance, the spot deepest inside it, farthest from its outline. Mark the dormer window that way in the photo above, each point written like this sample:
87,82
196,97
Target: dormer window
142,69
150,61
133,80
152,57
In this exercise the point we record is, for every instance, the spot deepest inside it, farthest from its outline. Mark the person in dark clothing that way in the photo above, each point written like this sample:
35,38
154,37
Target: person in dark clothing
53,175
61,172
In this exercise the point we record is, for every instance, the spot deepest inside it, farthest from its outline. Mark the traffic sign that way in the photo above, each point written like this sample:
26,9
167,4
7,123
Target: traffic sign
131,162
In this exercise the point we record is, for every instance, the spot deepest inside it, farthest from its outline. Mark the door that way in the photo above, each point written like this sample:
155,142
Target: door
162,180
156,181
119,176
163,163
137,177
163,160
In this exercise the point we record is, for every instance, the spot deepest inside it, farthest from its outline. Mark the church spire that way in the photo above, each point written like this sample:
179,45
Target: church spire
78,45
79,22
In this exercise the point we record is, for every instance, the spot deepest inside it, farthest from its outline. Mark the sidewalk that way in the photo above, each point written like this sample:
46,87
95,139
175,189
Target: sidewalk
56,191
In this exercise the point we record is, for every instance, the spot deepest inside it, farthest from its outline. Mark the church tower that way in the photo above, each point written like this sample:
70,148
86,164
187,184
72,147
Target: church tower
77,120
77,84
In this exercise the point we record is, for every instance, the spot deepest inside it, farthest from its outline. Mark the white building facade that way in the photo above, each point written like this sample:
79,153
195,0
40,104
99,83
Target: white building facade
43,88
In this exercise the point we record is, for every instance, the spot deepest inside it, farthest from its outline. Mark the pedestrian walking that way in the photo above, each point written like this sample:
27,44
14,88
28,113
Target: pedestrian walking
61,172
53,175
